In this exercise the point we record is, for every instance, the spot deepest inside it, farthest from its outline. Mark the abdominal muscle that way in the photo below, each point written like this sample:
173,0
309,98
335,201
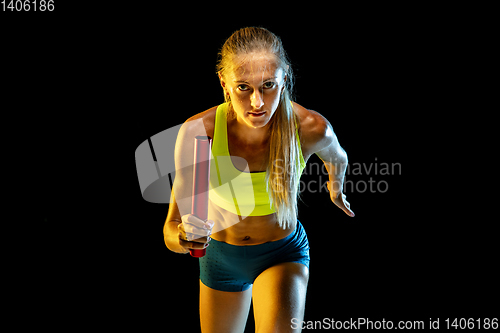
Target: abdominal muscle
250,230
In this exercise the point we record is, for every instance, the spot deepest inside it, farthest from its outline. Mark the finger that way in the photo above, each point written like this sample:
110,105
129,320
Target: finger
187,237
195,238
182,233
192,219
190,233
199,232
192,245
343,204
347,207
349,212
209,224
203,240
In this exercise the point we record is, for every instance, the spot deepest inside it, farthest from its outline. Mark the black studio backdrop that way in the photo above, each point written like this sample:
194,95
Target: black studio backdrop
371,81
373,265
118,78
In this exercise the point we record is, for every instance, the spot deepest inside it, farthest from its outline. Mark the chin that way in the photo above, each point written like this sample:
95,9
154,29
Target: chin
258,123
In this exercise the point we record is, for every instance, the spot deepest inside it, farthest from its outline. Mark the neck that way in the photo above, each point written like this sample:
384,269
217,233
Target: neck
249,135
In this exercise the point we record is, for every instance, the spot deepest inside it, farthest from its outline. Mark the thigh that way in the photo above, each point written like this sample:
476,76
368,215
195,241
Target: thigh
279,294
223,311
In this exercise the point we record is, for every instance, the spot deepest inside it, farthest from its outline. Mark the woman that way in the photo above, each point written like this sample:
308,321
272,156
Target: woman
255,245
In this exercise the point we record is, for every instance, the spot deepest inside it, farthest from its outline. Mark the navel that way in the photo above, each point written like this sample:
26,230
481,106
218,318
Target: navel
246,238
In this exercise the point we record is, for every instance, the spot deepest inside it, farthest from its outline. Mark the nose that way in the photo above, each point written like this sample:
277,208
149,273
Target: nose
256,99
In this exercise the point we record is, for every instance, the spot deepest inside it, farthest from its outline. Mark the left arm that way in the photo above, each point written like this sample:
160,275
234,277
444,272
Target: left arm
335,159
320,139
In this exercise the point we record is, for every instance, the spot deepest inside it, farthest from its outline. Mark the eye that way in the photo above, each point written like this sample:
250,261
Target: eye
269,85
243,87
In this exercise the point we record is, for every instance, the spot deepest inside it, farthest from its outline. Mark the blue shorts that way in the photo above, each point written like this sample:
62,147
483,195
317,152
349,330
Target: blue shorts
229,267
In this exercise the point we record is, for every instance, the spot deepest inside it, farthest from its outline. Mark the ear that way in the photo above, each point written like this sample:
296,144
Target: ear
284,84
222,83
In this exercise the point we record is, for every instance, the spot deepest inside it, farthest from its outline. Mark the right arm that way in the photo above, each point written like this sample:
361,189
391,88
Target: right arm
181,227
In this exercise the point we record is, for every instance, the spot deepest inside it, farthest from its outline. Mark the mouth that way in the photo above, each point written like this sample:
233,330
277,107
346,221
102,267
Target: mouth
257,114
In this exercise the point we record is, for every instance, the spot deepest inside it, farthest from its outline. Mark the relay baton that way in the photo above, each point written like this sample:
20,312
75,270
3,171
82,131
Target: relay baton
201,179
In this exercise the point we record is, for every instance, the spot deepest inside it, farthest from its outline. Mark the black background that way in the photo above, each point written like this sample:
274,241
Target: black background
92,85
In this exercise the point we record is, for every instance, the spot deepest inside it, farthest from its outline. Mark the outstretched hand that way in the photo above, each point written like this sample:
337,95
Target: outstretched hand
339,199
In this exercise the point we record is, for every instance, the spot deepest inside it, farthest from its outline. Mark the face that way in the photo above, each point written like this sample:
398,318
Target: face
255,88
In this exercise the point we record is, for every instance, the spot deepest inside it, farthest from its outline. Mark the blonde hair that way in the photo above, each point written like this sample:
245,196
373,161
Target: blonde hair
283,171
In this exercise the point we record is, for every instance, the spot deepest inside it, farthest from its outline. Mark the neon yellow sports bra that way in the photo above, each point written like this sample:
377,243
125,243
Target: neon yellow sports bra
240,192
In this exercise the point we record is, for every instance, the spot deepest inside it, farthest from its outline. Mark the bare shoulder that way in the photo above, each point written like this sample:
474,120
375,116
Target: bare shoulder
316,131
200,124
197,125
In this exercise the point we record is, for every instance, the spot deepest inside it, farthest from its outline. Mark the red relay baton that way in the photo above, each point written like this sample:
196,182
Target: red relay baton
201,180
